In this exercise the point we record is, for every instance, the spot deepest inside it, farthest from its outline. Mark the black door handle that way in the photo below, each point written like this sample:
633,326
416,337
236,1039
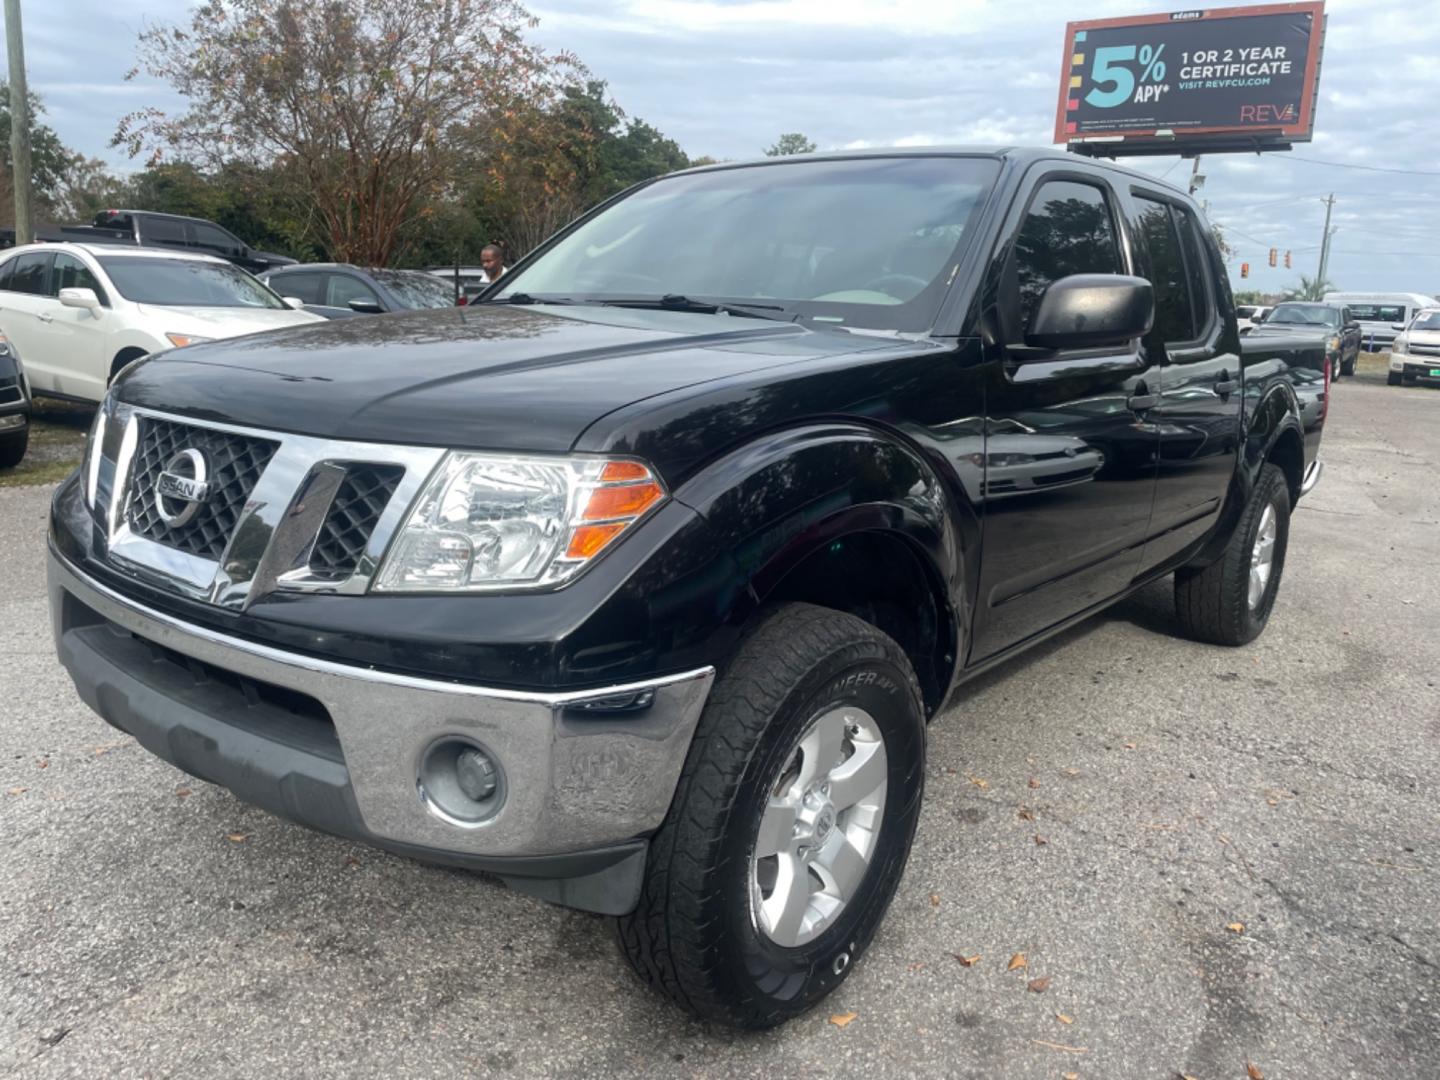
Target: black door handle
1224,386
1143,400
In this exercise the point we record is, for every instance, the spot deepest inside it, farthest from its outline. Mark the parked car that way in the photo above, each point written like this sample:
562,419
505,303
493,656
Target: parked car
1331,323
14,406
637,583
339,290
1377,313
148,228
79,313
470,284
1415,352
1251,315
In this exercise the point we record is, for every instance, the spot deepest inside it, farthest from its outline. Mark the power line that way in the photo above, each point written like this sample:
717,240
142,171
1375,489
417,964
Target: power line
1366,168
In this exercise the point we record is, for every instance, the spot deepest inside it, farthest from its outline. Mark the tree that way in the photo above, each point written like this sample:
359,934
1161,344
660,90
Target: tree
1310,289
791,143
1227,251
356,102
50,161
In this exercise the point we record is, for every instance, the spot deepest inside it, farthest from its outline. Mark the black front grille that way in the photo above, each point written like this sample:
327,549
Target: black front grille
10,392
233,465
358,504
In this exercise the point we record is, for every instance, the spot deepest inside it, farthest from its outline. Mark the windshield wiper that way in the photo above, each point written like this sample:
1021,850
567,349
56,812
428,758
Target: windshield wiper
676,302
526,298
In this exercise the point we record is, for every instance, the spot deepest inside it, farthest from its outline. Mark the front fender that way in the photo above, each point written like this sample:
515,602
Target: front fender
781,498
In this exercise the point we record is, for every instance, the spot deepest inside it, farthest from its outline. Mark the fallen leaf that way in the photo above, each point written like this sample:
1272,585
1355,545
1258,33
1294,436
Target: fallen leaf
1237,927
1129,746
1251,1069
1016,961
1272,802
237,837
934,899
1061,1046
182,792
18,790
1040,840
840,1020
981,784
1185,1076
1025,814
1064,1019
918,965
43,763
352,862
966,961
1072,772
1038,986
1070,1076
1034,783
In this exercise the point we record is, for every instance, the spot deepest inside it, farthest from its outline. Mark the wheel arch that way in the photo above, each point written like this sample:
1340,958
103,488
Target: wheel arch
128,355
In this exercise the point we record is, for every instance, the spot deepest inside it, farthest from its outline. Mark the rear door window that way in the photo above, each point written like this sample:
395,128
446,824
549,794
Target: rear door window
213,238
1174,306
343,288
164,231
31,273
1069,229
7,274
309,287
1197,268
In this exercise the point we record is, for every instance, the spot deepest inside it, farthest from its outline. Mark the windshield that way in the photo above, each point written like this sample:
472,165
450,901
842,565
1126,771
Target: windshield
1426,320
1299,315
415,289
187,283
867,242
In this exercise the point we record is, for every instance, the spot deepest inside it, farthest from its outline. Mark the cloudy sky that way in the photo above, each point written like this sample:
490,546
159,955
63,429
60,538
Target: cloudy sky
726,77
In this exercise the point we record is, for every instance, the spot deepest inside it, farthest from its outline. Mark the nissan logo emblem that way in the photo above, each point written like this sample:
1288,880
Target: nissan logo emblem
182,488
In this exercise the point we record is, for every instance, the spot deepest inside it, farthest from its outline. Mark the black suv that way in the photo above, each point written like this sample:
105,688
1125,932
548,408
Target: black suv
153,229
637,583
340,290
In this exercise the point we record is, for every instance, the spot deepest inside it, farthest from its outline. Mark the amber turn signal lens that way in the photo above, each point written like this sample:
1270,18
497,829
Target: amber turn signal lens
619,471
619,502
587,540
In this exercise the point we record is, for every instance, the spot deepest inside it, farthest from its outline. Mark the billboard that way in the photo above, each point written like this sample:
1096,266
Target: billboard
1196,77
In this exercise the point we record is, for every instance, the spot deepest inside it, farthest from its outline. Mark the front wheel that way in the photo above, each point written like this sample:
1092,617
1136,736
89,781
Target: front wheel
790,826
1392,378
1229,601
1348,367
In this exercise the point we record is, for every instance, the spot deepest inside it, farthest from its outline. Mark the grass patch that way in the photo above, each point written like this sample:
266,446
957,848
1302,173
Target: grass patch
57,443
1373,362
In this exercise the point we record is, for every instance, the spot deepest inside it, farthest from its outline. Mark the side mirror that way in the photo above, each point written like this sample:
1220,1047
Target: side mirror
80,298
366,307
1085,311
1398,327
293,302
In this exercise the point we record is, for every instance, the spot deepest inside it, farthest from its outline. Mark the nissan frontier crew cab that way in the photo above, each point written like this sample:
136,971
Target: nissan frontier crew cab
637,582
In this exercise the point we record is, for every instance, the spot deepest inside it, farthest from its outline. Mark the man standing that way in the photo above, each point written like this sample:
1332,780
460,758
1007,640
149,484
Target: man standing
492,261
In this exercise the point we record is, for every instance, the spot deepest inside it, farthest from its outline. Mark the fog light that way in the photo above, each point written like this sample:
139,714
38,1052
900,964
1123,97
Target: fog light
460,782
476,774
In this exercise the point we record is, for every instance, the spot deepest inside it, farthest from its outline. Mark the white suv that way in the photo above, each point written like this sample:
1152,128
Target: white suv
78,313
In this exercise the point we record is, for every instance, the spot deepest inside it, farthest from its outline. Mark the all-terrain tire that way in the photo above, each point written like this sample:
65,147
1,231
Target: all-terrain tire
12,448
1392,378
1212,603
694,935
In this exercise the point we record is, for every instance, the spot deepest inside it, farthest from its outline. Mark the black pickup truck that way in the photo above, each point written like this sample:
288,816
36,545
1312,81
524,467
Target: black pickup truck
149,228
637,582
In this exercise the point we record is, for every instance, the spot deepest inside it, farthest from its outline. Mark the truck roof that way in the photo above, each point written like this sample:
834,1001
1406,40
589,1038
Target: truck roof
1021,155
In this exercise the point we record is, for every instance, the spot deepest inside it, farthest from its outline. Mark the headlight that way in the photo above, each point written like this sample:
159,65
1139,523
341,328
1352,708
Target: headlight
1333,344
489,521
1398,345
93,455
181,340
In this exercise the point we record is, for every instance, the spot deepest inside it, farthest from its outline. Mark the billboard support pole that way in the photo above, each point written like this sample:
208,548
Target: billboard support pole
1325,240
19,125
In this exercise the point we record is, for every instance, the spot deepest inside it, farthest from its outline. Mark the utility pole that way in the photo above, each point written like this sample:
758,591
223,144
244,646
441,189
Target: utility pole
19,125
1195,178
1325,240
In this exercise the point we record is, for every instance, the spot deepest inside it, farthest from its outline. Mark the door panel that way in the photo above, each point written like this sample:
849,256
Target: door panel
20,317
74,338
1198,419
1069,462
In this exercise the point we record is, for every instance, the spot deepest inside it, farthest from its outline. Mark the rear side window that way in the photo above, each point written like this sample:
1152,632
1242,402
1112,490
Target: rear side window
1174,310
70,273
31,271
1198,267
1068,230
344,288
1390,313
162,231
214,238
308,287
7,274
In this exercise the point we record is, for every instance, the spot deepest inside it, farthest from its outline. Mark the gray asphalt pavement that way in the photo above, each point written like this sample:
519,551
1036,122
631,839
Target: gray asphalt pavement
1214,857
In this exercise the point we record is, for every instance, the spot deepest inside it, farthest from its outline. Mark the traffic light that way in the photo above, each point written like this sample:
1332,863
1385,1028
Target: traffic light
1273,254
1287,260
1244,269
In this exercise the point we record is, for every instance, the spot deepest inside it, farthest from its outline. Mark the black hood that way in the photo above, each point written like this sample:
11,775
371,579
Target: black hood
501,378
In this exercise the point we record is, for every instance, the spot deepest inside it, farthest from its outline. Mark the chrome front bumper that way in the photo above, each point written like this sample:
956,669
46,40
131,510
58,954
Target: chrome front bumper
574,779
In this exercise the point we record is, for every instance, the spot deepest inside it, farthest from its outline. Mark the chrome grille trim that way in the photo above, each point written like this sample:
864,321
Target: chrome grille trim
272,541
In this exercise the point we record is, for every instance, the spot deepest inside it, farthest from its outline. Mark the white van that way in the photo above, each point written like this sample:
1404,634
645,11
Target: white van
1379,314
